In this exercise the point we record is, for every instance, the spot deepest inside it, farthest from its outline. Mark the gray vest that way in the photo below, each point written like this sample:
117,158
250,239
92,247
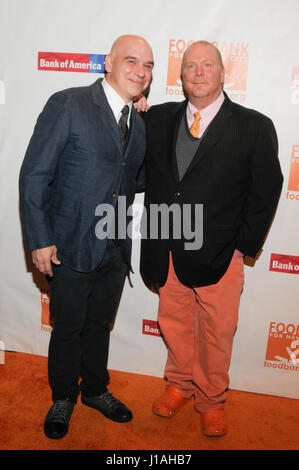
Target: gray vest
186,147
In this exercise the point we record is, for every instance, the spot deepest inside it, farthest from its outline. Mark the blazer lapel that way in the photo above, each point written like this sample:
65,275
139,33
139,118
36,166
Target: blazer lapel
174,123
132,130
213,135
108,120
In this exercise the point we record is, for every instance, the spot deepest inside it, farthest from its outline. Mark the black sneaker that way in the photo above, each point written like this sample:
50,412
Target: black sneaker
109,406
57,420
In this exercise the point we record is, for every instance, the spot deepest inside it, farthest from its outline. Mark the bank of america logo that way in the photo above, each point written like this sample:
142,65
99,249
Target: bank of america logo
150,327
71,62
284,263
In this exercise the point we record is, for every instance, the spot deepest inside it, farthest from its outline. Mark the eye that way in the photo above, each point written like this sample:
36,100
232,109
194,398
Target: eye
131,61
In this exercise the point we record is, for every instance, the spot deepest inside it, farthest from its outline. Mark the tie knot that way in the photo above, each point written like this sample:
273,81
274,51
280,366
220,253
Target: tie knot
125,110
197,117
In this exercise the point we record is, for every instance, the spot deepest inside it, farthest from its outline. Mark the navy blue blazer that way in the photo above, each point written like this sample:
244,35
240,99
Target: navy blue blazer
73,163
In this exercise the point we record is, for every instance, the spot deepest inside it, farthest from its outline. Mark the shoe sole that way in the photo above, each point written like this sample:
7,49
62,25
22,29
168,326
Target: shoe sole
164,415
214,435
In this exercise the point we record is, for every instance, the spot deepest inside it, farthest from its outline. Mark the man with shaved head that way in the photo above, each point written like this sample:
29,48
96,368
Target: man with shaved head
86,151
216,162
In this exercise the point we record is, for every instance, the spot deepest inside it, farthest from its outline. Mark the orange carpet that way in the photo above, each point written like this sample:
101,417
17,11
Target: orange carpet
256,422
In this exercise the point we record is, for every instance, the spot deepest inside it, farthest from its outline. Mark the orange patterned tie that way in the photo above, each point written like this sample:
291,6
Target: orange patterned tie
194,129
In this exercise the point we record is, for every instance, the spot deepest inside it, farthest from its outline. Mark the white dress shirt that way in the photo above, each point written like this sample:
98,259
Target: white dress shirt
116,103
206,115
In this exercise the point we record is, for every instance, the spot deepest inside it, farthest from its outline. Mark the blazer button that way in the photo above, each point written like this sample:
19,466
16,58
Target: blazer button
177,194
123,163
113,194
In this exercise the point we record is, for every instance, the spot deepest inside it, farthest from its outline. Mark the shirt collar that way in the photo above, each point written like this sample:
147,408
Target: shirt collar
209,110
116,103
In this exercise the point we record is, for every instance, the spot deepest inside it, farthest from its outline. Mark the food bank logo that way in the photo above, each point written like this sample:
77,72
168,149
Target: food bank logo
283,346
293,184
235,60
284,263
295,85
70,62
295,77
45,311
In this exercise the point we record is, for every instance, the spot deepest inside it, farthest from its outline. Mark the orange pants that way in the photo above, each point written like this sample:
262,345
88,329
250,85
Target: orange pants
198,325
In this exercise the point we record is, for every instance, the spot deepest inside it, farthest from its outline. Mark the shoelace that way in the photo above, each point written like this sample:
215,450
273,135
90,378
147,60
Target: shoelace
62,409
110,399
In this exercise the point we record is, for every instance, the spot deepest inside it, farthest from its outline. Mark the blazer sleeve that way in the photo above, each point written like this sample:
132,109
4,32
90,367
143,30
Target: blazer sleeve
140,181
38,170
264,191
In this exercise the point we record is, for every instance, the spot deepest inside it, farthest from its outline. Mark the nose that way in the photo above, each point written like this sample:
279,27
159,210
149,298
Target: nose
140,70
199,69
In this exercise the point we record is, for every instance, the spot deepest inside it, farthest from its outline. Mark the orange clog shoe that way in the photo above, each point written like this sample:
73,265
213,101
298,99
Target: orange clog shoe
213,423
169,403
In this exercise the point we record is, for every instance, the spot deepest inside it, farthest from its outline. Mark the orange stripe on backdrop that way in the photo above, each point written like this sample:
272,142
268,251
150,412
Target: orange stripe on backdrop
256,422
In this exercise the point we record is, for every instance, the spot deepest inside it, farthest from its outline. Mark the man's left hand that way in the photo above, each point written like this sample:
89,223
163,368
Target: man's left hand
140,104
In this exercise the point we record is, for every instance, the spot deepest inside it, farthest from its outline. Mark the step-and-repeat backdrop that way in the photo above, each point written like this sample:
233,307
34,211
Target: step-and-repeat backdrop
49,45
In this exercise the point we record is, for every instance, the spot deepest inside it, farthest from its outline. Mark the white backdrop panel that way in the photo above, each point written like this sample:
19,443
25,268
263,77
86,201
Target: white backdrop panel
259,42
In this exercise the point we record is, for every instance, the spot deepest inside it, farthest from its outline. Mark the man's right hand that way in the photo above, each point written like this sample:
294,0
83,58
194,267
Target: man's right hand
42,259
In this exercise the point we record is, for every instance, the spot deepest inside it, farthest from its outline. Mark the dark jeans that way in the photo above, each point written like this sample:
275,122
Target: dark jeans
82,307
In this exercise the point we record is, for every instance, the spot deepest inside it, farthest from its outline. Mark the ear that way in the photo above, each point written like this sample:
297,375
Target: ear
108,63
222,75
